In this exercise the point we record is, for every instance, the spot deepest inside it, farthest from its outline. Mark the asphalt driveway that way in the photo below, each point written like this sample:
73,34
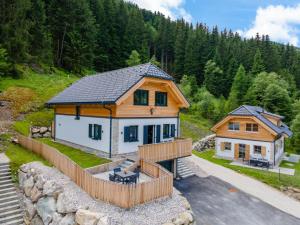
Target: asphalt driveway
215,202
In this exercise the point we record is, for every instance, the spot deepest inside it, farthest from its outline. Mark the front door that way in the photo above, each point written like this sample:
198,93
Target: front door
148,134
242,150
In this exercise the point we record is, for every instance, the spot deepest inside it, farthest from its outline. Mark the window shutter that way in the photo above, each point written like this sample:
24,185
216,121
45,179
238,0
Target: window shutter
247,152
145,141
126,134
90,130
95,131
222,146
158,128
172,130
99,132
263,151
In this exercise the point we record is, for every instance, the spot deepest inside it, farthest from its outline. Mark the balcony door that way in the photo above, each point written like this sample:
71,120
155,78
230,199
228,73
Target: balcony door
151,134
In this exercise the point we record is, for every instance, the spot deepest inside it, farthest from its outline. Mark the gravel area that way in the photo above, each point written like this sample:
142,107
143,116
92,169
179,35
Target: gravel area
153,213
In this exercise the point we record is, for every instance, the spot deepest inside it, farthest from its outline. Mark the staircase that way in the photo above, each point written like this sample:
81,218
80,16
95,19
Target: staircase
127,163
182,170
10,210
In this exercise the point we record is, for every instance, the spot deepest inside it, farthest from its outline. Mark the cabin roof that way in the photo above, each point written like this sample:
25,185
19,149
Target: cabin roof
107,87
247,110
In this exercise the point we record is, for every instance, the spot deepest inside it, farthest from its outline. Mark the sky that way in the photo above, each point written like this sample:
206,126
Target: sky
280,19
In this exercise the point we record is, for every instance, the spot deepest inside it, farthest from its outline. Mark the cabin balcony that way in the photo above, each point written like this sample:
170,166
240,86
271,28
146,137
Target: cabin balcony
178,148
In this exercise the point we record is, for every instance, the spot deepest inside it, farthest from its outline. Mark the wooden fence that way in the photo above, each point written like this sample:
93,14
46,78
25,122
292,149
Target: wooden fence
166,151
125,196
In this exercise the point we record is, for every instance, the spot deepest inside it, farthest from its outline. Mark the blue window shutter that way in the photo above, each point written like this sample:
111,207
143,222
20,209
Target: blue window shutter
95,131
157,133
172,130
145,141
90,130
126,134
99,132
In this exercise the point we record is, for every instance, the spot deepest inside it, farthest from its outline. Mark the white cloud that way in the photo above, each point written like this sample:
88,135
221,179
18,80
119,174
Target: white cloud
279,22
171,8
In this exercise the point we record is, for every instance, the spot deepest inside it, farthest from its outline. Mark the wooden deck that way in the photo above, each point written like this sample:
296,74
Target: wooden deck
166,151
125,196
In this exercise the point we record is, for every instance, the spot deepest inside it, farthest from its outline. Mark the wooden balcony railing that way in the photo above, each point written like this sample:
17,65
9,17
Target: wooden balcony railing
166,151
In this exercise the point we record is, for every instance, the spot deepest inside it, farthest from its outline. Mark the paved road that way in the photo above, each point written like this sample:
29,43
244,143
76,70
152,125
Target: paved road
216,202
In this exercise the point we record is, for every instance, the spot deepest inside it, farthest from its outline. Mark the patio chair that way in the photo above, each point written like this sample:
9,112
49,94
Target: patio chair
116,170
112,177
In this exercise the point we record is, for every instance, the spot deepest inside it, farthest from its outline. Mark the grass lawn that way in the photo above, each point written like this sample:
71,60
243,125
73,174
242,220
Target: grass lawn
83,159
264,176
19,156
194,127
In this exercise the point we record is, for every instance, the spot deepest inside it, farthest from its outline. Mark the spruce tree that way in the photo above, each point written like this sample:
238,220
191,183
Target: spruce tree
239,89
214,79
258,64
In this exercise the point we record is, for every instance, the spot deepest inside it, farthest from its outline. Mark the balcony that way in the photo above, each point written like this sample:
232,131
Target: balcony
166,151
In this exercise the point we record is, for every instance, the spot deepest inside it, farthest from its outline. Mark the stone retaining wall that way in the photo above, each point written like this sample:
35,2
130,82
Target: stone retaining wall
40,132
205,143
46,202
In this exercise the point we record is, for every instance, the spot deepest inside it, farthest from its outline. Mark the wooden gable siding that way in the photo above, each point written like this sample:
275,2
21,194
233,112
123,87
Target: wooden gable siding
262,135
273,119
85,110
128,109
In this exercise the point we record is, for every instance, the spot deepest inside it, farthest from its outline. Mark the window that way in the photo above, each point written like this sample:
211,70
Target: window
77,117
233,126
141,97
257,149
95,131
253,127
161,98
166,131
131,134
227,146
169,130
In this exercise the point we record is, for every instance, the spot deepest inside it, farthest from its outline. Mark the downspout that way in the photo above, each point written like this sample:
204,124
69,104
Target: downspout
110,127
178,123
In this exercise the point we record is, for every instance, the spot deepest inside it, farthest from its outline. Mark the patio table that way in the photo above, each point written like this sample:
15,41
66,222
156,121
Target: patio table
123,176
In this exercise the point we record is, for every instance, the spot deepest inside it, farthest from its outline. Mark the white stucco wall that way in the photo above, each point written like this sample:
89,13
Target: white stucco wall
230,154
280,150
77,131
128,147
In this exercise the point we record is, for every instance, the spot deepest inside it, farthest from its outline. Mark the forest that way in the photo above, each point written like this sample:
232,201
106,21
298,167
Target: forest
218,70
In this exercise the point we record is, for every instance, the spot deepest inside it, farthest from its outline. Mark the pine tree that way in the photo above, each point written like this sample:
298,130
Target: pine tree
239,89
296,133
214,79
258,64
134,59
180,45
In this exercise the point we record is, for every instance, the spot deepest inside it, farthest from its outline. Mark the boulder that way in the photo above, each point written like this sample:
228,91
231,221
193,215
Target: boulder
27,186
47,134
85,217
35,194
296,196
56,218
36,135
186,217
35,130
51,188
296,190
30,210
46,208
22,177
43,130
66,204
104,221
36,221
40,181
186,204
68,219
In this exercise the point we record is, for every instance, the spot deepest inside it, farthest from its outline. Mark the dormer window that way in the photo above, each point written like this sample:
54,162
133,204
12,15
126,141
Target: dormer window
252,127
141,97
233,126
161,98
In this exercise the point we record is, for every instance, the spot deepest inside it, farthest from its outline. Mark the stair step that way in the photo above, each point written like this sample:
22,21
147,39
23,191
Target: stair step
4,164
5,178
11,193
9,198
10,203
3,186
8,181
188,175
7,219
4,167
4,170
4,174
9,208
11,212
6,190
15,222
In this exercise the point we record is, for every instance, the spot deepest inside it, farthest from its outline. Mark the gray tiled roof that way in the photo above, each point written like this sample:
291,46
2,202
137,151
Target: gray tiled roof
247,110
107,87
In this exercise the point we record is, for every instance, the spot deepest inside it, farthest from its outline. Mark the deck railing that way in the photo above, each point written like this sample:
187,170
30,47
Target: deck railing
166,151
125,196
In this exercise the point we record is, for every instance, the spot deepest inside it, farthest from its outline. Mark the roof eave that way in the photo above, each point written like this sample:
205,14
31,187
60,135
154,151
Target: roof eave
80,103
